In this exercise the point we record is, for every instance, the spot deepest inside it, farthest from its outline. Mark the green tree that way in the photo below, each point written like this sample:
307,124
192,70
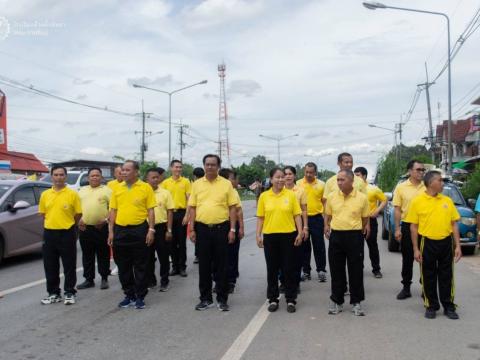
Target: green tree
324,174
145,166
471,188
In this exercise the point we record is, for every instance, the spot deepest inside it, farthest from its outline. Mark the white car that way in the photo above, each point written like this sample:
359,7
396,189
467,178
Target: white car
75,179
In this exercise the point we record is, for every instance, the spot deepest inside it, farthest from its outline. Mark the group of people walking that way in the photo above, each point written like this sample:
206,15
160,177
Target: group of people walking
139,220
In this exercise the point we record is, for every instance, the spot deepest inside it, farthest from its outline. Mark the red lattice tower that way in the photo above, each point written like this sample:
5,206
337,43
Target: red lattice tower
223,143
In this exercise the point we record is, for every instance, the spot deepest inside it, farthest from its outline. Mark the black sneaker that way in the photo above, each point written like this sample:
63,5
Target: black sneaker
174,272
104,285
281,289
404,294
223,306
291,308
183,273
163,288
86,284
195,261
306,276
377,274
430,313
204,305
451,314
273,306
152,285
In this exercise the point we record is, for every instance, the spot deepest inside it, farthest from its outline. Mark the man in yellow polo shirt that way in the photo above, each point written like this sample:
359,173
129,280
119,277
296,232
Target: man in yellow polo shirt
402,196
163,229
213,215
61,208
314,190
344,162
93,227
434,217
179,187
377,201
346,219
131,205
117,174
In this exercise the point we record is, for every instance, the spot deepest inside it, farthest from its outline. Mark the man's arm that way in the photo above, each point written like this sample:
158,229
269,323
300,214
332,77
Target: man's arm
168,235
232,210
192,216
259,231
414,235
379,208
241,231
112,216
326,229
397,215
456,238
151,230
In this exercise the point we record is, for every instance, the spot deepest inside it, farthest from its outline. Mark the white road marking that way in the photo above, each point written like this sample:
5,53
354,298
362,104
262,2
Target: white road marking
243,341
29,285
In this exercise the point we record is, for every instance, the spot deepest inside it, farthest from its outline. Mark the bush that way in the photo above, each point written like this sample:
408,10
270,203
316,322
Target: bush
471,188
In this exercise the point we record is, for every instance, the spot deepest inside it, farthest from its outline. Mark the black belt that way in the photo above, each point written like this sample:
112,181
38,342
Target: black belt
213,226
132,226
179,210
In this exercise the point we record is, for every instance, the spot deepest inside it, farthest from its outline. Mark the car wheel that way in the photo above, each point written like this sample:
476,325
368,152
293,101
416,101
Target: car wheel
468,250
393,245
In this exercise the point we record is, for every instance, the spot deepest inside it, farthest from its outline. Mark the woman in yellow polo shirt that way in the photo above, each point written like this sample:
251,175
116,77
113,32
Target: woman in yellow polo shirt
278,219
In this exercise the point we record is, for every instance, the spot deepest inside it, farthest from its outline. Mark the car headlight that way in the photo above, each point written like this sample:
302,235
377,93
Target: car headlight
468,221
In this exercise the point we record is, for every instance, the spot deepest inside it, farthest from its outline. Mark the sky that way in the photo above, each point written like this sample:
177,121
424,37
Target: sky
322,69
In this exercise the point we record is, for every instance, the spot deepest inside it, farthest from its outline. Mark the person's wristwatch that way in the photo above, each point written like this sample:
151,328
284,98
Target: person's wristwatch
233,230
151,230
169,231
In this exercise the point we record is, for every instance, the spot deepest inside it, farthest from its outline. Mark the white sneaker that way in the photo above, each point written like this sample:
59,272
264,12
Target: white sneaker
334,308
357,310
69,299
51,299
114,272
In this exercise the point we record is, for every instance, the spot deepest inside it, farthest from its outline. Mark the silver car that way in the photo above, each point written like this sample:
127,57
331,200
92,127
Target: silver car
21,227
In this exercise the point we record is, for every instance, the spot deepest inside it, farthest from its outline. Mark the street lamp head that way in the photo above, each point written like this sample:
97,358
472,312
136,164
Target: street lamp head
203,82
136,85
372,5
371,125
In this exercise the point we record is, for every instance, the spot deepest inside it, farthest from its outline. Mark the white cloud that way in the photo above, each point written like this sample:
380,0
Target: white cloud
93,151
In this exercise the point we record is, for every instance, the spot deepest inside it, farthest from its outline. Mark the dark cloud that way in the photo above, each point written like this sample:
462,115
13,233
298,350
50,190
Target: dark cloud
247,88
158,81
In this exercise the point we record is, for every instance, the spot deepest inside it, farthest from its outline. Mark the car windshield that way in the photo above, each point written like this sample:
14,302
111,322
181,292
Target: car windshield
4,189
71,178
454,194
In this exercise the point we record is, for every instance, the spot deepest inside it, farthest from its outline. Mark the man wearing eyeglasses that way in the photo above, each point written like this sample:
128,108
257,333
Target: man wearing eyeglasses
402,197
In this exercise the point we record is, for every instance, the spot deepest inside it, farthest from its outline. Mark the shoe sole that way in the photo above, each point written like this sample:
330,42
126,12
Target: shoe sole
69,302
51,302
204,308
223,310
358,313
163,290
291,310
272,309
139,307
334,312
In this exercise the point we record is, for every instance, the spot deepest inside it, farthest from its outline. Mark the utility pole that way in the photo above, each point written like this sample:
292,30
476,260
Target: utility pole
427,85
143,145
181,132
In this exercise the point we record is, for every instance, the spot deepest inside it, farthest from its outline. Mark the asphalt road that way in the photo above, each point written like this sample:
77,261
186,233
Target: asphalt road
169,328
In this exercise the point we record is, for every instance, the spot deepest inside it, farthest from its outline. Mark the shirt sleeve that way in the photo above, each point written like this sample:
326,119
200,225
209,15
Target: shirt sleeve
77,206
326,189
41,204
455,213
380,195
237,195
192,199
108,193
303,198
365,208
328,207
296,206
170,204
188,187
412,215
231,198
397,199
261,206
113,201
151,201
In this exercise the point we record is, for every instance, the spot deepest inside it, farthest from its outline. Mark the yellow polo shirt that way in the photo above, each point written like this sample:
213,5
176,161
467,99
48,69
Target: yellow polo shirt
59,208
375,195
94,203
347,211
404,193
212,200
132,203
433,214
279,211
179,189
331,185
314,192
114,184
300,194
237,196
164,202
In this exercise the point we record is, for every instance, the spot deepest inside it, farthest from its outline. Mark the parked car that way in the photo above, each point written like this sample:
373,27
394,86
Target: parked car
21,227
467,224
75,179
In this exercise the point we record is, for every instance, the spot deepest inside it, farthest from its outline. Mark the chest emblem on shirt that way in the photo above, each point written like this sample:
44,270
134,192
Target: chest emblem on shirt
445,206
65,206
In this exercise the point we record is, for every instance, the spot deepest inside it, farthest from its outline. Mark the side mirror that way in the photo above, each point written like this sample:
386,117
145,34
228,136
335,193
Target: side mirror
472,203
19,205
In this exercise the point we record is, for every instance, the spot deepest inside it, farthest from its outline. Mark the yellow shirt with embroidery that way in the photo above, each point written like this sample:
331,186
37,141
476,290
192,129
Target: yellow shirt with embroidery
331,185
314,193
59,208
404,194
164,202
347,211
375,195
279,211
114,184
95,203
179,189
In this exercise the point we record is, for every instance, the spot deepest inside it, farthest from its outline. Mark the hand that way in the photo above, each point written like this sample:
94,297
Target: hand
458,253
298,240
168,236
150,238
398,234
305,234
366,231
241,233
110,238
260,241
417,255
231,237
326,231
193,236
81,225
185,220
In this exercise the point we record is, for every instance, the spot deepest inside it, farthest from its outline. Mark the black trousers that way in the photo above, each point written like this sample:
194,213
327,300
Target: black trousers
233,252
60,244
373,245
131,256
407,254
280,254
179,241
162,248
346,248
212,243
437,268
315,228
93,242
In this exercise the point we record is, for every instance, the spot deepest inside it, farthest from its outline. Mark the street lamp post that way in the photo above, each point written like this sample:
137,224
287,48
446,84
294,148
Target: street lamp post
395,132
277,139
169,93
375,5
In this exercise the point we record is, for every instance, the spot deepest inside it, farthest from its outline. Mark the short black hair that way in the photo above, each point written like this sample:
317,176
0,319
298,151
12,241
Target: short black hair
349,173
225,173
291,168
274,170
158,170
311,164
135,164
118,166
198,172
219,161
427,179
412,162
361,170
175,161
342,155
56,167
94,168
